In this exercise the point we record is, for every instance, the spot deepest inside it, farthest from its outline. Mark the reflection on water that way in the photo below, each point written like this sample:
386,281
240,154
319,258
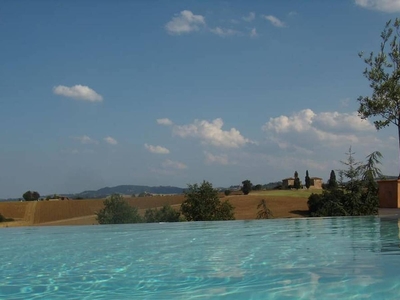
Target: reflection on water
316,258
390,235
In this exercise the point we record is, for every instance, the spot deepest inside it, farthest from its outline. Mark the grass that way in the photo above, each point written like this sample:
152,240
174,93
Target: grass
286,193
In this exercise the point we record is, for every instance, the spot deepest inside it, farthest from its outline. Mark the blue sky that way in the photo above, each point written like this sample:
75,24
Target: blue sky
102,93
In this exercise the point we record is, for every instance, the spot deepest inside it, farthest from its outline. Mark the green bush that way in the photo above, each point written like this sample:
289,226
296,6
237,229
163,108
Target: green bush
356,197
202,203
117,211
165,214
227,192
246,187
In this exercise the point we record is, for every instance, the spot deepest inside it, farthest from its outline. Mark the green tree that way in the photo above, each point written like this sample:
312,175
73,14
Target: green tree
332,183
383,73
257,187
263,211
358,194
165,214
117,211
307,180
28,196
35,195
296,183
202,203
246,187
227,192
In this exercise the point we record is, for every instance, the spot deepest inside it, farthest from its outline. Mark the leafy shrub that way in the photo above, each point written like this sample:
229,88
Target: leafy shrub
246,187
227,192
165,214
356,197
202,203
117,211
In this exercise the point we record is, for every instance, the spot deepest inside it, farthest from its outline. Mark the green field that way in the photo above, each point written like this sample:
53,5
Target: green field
286,193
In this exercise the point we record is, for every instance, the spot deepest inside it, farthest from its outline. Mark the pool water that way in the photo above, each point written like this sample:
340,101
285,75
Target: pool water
318,258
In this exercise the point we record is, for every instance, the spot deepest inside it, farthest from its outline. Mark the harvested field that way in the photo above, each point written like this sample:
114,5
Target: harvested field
82,212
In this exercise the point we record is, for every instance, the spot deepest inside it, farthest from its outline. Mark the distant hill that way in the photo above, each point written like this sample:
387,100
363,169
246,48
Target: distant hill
128,190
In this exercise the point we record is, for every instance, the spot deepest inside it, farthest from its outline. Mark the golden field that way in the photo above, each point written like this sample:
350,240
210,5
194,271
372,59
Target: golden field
82,212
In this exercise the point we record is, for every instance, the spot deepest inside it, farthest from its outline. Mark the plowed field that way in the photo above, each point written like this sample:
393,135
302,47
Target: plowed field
82,212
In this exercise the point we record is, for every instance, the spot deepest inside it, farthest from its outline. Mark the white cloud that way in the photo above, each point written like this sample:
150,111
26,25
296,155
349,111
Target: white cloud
156,149
253,33
174,164
212,133
389,6
274,21
216,159
164,121
327,128
250,17
341,122
223,32
185,22
81,92
84,139
110,140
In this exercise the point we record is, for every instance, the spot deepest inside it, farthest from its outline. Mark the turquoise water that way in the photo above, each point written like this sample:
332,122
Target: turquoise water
330,258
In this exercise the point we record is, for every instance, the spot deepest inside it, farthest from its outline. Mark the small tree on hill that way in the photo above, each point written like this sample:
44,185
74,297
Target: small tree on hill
257,187
296,184
264,212
117,211
246,187
35,195
202,203
307,180
31,196
332,183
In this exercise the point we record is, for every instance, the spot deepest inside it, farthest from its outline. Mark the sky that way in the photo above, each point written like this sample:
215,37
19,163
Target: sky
104,93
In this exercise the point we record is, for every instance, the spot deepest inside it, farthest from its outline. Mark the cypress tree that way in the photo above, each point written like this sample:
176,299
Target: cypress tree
307,180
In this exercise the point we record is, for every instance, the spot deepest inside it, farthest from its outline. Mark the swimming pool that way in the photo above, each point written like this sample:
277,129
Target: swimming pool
319,258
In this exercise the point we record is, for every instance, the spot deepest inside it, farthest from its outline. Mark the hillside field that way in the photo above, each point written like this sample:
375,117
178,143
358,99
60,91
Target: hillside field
283,204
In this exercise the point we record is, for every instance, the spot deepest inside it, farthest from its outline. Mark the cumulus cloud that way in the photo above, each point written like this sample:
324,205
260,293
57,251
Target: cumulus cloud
185,22
221,159
250,17
274,21
156,149
330,128
84,139
389,6
212,133
164,121
110,140
174,164
223,32
80,92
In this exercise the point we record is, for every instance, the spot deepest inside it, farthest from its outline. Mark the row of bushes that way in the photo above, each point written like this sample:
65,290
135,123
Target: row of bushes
202,203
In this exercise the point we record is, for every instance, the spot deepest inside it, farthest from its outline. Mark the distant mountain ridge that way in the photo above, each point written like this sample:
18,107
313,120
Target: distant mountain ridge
128,190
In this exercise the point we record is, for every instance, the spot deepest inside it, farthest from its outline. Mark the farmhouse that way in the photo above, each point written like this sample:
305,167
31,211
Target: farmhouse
287,182
315,183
